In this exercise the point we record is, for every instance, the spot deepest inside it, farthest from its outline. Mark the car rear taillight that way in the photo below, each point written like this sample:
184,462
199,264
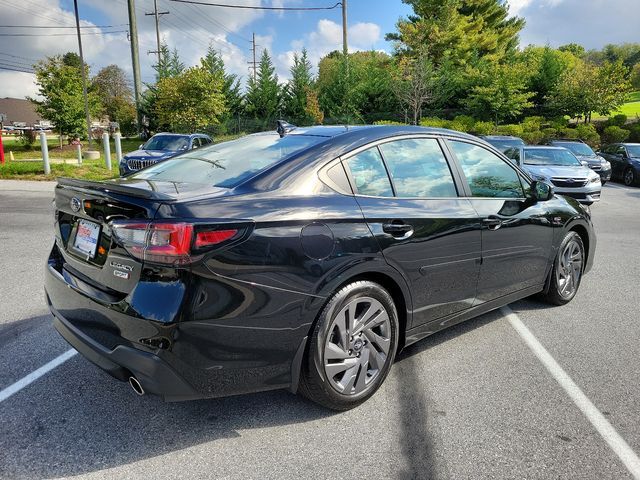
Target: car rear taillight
167,243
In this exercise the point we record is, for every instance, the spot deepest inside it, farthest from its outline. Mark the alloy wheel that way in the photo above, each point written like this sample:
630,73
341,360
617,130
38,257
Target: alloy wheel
629,177
569,269
357,345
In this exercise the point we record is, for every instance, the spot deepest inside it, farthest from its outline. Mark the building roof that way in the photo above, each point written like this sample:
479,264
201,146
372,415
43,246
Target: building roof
19,110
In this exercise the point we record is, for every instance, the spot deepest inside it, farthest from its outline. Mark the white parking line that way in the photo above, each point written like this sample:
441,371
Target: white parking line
33,376
597,419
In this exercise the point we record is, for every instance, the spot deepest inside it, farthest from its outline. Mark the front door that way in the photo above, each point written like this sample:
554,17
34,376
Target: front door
410,201
517,232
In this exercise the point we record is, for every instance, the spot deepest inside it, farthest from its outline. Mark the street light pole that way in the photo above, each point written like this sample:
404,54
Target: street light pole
84,73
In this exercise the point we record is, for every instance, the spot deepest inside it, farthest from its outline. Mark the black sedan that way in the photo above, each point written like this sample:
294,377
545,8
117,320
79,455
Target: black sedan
303,259
625,161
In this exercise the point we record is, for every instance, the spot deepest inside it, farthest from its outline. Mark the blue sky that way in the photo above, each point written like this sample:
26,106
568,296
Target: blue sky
189,28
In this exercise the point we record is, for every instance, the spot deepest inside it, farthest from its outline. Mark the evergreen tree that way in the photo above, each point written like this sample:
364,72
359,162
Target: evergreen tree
231,88
264,93
296,91
169,64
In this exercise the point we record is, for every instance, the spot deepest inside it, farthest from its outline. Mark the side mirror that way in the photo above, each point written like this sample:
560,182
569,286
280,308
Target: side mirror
541,191
140,147
584,163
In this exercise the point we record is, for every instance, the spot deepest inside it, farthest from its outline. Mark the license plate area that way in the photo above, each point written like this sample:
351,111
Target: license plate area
85,241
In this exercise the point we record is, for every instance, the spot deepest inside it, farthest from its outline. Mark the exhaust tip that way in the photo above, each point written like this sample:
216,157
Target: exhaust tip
135,384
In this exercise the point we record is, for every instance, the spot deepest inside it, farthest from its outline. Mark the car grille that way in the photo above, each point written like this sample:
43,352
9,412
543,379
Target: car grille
570,182
137,164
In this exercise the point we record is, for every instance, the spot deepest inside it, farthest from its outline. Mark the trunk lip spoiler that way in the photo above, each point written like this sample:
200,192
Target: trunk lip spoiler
93,186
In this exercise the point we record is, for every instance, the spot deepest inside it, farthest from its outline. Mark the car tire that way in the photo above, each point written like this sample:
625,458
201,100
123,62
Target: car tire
346,360
566,273
629,177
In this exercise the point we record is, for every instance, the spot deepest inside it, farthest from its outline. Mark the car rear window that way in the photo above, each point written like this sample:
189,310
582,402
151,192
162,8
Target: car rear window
228,164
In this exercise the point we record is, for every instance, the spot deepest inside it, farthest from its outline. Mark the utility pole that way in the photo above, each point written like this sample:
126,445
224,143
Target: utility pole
84,74
157,14
135,59
345,50
253,51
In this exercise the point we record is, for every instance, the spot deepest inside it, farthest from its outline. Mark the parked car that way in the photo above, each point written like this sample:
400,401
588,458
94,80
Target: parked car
503,142
304,259
559,167
625,161
586,155
161,147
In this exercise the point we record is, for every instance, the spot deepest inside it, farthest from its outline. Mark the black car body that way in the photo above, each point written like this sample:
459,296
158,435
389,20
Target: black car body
625,161
161,146
503,142
209,278
586,154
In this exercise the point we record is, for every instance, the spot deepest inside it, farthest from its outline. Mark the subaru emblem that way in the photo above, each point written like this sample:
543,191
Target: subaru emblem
76,205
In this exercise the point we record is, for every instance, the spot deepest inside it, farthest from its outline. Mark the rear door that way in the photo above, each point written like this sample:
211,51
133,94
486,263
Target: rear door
409,197
517,233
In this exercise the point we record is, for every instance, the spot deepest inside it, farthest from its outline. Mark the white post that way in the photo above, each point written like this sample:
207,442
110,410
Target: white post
45,153
107,150
116,139
79,153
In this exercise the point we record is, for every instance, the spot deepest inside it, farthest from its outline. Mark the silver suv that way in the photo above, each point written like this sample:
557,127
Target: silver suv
559,167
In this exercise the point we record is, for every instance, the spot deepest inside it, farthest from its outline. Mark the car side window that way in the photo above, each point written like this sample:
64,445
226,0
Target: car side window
513,153
195,143
620,150
418,168
369,174
488,175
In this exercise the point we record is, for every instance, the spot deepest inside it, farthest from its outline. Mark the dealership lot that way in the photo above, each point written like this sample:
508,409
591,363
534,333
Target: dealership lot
471,402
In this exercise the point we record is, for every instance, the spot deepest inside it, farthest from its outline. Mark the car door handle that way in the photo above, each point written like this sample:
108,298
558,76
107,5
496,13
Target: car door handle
397,229
492,223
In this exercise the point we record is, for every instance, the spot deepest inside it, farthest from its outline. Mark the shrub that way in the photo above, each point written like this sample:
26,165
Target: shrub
588,133
483,128
634,132
27,139
434,122
465,120
532,123
459,126
558,123
570,133
617,120
533,137
514,130
549,133
387,122
614,134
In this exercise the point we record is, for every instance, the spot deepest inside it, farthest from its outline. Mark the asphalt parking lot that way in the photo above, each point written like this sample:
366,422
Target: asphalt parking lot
471,402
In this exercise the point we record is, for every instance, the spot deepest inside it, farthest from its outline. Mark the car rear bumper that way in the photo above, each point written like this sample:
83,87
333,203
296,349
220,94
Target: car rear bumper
122,362
182,359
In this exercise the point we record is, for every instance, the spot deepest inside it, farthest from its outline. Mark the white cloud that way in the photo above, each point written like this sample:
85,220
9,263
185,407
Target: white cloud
17,84
328,37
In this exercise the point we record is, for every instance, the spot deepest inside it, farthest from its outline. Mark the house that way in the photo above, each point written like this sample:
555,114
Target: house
21,114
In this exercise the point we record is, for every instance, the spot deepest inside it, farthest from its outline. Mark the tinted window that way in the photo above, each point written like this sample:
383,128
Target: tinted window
488,175
513,153
228,164
195,143
166,142
369,175
418,168
577,148
633,150
550,156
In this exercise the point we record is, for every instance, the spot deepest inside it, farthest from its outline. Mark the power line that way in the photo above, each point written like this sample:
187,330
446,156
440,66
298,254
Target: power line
52,26
18,56
257,7
157,16
15,69
56,34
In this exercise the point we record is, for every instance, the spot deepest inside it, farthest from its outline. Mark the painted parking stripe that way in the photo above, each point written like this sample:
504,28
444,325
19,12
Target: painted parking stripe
597,419
33,376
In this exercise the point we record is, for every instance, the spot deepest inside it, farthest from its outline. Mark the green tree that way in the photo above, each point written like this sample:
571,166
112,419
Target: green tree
575,49
296,91
169,64
231,88
589,88
190,101
635,76
416,85
113,88
263,99
547,66
462,31
59,81
502,93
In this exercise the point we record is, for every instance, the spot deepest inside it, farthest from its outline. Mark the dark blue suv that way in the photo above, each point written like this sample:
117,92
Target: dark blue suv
161,147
